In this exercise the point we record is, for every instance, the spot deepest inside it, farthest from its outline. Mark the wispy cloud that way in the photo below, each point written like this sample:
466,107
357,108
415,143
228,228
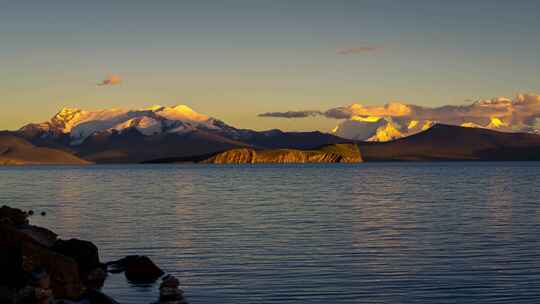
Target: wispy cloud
359,50
111,80
291,114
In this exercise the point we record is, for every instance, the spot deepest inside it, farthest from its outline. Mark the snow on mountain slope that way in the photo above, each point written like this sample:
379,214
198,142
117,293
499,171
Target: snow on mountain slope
386,132
470,125
359,127
370,128
80,124
520,114
146,125
496,123
180,112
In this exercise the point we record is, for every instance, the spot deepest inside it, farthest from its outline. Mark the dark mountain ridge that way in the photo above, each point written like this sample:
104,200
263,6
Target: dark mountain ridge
446,142
15,150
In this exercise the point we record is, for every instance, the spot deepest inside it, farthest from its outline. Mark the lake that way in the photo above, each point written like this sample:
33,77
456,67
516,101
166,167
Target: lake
456,232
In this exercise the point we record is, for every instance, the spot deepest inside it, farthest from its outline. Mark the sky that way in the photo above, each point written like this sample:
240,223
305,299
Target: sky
234,59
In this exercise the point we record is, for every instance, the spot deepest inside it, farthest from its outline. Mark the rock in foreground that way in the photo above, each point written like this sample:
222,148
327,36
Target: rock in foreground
21,254
138,269
170,292
39,268
338,153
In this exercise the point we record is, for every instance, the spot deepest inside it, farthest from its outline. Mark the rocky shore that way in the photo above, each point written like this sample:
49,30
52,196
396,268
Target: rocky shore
38,267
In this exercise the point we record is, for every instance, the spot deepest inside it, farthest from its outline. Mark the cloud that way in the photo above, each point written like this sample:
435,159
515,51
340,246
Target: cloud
391,109
521,113
291,114
358,50
111,80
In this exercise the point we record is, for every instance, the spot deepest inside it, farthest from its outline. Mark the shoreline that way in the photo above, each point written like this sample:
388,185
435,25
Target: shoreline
39,267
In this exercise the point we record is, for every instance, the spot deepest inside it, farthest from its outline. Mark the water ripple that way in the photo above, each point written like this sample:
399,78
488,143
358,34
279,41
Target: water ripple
370,233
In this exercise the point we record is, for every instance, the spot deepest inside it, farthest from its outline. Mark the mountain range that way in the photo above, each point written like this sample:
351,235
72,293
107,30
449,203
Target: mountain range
395,120
160,133
132,136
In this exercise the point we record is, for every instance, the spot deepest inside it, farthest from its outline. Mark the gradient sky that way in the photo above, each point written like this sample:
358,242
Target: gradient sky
235,59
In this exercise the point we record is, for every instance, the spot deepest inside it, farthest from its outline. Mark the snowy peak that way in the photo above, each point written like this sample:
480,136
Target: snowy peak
386,132
67,113
387,128
146,125
180,112
80,124
519,114
64,119
373,128
496,123
370,128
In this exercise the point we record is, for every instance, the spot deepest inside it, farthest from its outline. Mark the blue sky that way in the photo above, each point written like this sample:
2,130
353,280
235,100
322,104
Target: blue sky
235,59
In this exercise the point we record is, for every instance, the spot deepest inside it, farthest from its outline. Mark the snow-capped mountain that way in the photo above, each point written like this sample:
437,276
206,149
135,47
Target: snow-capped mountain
394,120
370,128
166,134
373,128
80,124
158,132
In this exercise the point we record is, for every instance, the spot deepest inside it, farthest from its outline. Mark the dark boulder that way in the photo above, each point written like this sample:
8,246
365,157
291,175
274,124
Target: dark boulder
26,254
41,235
169,291
138,269
11,261
13,215
19,219
39,289
7,294
36,267
95,278
85,253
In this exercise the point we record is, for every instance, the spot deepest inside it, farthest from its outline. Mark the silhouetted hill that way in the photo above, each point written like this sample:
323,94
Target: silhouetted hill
445,142
133,147
17,151
277,139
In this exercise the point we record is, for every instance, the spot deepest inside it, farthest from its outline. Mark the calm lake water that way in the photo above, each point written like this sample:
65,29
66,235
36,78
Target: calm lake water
369,233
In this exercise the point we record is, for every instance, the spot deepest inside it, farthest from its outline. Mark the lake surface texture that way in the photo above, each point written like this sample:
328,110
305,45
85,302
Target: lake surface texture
368,233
